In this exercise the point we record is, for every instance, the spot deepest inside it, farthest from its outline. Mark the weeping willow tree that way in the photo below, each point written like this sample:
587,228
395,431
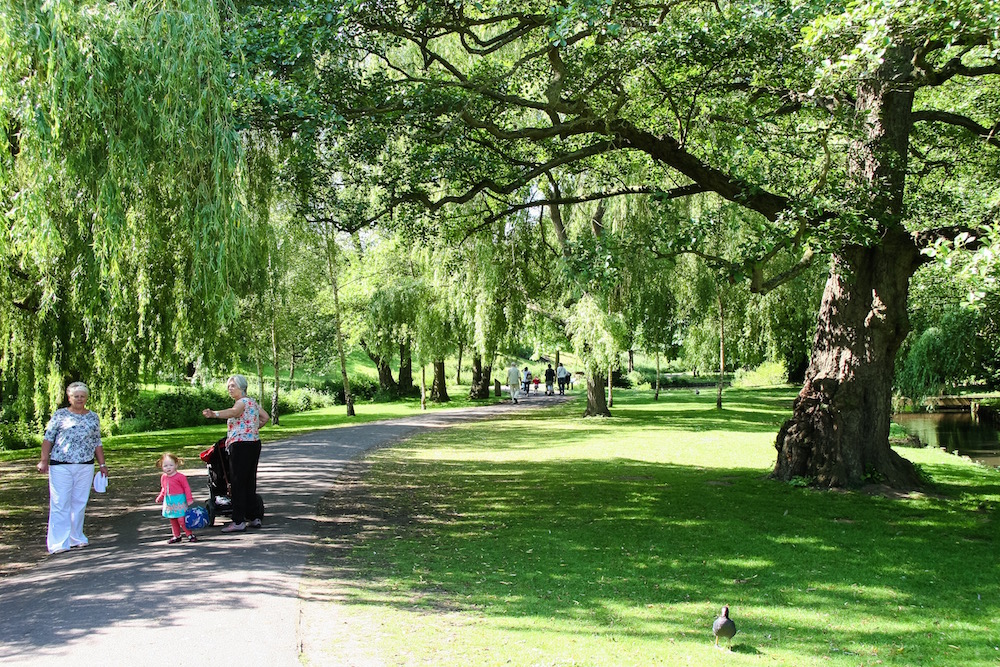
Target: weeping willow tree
120,174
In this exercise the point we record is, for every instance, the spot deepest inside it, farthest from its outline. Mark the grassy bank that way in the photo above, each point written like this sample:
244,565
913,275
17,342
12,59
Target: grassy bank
544,540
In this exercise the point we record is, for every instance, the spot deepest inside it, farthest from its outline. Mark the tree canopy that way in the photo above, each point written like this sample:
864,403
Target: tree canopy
120,182
575,171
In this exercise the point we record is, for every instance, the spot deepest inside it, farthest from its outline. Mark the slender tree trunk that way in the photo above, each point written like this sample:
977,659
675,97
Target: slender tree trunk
458,369
722,351
439,390
597,405
423,387
291,370
260,374
557,359
656,396
838,433
631,361
275,416
348,397
611,387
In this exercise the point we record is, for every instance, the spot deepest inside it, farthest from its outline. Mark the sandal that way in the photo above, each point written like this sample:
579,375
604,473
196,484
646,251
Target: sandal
174,540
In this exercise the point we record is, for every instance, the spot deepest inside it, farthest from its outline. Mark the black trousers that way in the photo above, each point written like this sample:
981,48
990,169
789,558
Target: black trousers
243,459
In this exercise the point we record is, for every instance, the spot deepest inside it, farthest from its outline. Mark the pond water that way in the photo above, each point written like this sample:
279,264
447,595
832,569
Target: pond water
956,432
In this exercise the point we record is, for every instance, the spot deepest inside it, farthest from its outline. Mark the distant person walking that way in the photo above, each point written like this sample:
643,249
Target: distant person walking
175,494
71,443
550,378
513,381
562,375
243,423
527,381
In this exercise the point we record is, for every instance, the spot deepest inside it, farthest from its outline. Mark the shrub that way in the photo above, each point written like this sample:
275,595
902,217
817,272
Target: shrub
300,400
363,388
621,380
768,374
637,379
18,435
128,426
176,408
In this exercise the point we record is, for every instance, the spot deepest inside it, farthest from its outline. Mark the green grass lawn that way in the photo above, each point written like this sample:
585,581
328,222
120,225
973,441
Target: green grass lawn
543,539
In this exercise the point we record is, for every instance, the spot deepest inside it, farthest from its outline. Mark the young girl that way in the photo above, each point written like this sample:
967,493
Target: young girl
175,492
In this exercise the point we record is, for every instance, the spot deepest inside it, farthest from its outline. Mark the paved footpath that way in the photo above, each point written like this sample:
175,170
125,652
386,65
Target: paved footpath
131,599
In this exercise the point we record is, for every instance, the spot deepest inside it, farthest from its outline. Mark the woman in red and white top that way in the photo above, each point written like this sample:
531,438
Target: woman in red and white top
243,422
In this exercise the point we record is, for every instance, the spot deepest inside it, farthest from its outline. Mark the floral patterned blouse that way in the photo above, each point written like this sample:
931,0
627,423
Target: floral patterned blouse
74,437
244,428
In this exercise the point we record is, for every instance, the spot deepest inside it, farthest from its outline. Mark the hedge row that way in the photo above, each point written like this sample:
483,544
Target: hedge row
182,406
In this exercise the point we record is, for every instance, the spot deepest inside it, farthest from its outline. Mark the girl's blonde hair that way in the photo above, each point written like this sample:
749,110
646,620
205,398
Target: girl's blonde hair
168,455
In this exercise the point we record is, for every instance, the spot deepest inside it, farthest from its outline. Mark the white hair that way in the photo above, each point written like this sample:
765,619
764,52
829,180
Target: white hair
76,387
240,381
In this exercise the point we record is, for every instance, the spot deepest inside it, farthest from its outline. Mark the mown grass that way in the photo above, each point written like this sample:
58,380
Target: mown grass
541,539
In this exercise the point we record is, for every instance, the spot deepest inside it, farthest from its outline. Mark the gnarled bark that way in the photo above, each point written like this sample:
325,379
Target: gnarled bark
839,432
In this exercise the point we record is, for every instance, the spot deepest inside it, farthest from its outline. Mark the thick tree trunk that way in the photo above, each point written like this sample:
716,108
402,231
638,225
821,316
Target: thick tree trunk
797,370
405,368
839,431
480,378
838,434
385,379
597,404
439,390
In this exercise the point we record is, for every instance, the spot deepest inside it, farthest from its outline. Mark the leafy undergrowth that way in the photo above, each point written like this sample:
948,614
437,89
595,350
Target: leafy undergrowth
542,539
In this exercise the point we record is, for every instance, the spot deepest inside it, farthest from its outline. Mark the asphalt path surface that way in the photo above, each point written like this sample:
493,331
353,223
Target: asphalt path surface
131,599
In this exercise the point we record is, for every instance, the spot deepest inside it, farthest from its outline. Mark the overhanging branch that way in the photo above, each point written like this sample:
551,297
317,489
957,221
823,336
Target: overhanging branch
987,134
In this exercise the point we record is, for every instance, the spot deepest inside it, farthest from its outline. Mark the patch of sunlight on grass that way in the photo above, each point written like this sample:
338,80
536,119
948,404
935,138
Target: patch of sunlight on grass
543,539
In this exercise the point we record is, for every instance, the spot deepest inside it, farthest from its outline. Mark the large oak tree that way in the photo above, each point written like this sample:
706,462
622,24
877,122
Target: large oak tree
852,133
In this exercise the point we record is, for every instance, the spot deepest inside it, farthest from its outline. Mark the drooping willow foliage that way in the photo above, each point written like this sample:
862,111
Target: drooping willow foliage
123,235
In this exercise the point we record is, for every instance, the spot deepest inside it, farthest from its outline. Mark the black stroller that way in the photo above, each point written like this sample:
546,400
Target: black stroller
219,491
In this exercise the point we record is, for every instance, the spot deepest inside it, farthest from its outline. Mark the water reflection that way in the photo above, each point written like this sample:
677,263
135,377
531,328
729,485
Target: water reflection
956,432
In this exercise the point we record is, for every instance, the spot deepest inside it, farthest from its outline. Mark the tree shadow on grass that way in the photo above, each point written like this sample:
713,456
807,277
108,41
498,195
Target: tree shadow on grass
584,541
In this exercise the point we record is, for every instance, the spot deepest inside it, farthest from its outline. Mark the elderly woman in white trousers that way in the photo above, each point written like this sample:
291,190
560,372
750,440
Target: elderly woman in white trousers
71,444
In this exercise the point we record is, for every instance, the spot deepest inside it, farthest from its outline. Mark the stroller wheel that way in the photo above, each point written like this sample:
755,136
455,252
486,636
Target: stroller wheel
210,506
